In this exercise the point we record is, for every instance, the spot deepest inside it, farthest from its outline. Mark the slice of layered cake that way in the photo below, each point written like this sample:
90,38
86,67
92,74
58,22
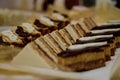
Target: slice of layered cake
9,37
9,45
84,56
44,25
60,19
26,32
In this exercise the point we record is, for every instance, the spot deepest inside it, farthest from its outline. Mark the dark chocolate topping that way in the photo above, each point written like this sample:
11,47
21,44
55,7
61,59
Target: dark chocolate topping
69,53
43,28
106,27
109,40
40,25
115,33
21,32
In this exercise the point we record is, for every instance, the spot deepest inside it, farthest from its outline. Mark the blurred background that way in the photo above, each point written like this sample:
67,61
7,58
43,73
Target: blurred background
32,4
20,10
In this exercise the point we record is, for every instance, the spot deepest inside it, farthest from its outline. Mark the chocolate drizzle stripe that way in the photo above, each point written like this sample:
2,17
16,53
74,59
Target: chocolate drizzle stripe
66,38
56,42
62,38
92,21
87,21
81,28
53,42
76,30
71,39
43,51
47,45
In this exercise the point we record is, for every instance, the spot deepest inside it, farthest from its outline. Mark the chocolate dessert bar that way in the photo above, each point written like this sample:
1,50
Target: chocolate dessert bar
26,32
60,19
8,37
44,25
